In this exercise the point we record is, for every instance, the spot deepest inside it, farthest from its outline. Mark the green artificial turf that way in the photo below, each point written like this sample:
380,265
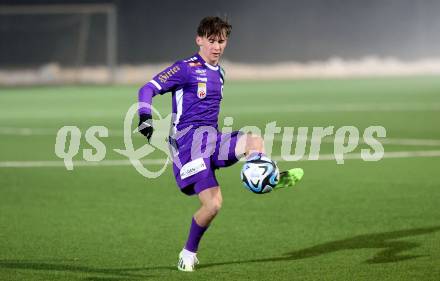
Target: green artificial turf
357,221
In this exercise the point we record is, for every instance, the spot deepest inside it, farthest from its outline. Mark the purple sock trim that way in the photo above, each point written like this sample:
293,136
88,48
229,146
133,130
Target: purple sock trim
195,234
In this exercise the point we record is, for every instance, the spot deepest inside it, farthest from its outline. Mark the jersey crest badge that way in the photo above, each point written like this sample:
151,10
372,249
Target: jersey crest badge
201,90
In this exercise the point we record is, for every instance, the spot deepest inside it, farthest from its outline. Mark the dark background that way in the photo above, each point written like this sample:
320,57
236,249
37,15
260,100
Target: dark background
263,31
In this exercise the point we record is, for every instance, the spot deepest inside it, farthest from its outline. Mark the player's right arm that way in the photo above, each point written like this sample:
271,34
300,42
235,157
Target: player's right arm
173,77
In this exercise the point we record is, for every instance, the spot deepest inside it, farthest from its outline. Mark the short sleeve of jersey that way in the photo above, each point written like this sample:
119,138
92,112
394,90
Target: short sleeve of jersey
173,77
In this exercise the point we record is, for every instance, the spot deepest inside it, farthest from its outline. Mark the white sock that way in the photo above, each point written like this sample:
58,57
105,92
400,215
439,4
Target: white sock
188,253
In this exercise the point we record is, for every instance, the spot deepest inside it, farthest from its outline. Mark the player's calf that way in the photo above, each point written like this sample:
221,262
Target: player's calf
208,211
211,202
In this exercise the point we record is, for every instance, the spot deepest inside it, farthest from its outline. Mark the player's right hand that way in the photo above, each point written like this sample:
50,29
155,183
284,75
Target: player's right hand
146,125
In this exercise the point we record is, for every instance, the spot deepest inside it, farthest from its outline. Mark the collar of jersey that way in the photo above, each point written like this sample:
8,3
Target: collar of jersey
212,67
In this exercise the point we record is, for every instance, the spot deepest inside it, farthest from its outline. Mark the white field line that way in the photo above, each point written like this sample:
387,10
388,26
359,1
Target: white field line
313,108
390,155
80,163
258,109
278,137
52,132
27,131
322,157
390,141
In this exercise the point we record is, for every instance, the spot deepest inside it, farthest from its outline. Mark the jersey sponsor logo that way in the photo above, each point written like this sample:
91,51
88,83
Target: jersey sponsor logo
164,76
201,90
202,79
193,64
192,168
201,71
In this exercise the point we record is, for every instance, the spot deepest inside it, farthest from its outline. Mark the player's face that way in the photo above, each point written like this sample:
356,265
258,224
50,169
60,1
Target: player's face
211,48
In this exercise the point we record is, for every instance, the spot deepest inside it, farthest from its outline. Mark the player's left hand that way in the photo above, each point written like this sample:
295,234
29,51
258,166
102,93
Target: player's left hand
146,125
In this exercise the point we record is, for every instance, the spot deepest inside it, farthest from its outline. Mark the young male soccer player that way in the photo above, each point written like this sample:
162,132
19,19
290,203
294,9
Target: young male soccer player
196,84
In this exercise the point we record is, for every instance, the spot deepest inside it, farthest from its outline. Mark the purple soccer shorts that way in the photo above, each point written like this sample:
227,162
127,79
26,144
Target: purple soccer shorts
197,155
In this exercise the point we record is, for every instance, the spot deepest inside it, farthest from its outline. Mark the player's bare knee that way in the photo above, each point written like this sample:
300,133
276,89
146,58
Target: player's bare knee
257,141
254,143
217,204
214,206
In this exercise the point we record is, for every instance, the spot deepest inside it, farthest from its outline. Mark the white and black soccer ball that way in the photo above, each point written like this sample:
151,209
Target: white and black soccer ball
260,174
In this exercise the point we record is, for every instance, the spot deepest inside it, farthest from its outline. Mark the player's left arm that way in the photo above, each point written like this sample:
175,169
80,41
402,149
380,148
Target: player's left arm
171,78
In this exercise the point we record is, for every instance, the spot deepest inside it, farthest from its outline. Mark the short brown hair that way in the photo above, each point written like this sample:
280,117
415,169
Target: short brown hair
214,26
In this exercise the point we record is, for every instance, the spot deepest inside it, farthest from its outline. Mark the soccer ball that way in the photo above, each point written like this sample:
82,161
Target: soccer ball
260,174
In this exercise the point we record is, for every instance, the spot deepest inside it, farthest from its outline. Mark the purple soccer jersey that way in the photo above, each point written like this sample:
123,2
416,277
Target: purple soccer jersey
196,88
197,91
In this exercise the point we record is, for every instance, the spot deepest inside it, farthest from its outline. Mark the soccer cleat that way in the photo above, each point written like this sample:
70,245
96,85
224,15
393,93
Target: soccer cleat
290,178
187,261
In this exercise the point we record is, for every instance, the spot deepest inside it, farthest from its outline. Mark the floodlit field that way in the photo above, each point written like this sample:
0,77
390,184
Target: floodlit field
356,221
